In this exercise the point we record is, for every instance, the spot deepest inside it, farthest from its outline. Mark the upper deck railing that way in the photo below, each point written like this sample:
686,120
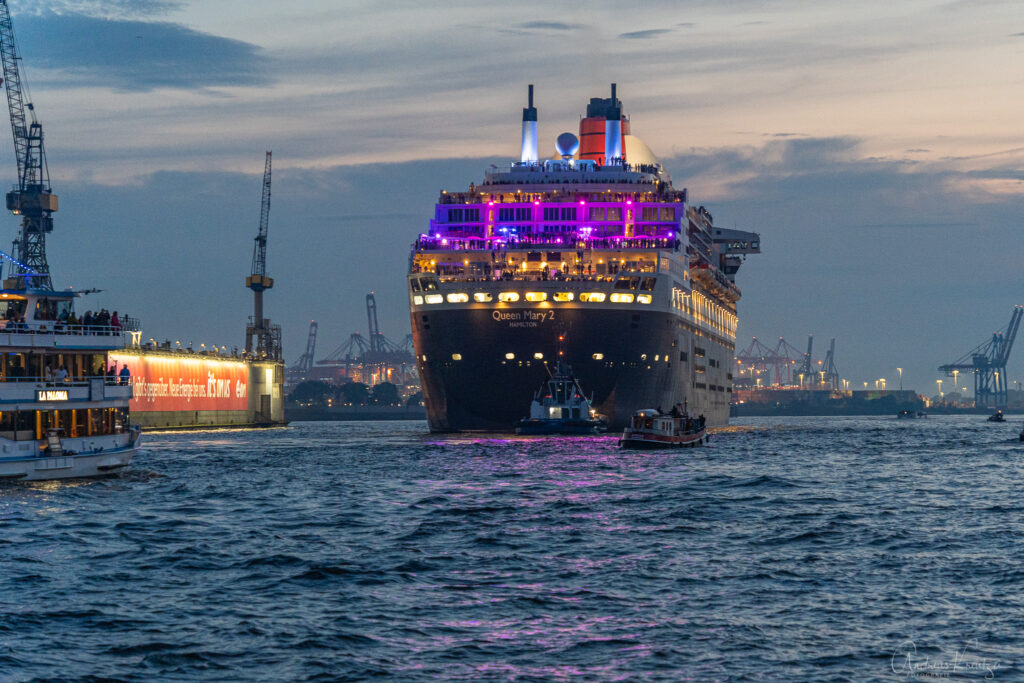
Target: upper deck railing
550,242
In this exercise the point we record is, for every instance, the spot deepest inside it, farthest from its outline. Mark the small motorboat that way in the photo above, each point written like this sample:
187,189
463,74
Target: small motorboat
997,417
910,415
651,428
561,407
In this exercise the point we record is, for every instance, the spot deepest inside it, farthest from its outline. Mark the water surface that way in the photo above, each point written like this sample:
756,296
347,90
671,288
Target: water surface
789,548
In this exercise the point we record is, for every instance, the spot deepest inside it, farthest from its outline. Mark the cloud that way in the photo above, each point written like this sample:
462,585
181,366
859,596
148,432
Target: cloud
133,55
548,26
645,35
99,8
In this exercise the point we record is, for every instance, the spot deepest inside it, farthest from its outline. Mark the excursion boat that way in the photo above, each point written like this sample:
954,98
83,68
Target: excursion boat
560,407
653,429
63,409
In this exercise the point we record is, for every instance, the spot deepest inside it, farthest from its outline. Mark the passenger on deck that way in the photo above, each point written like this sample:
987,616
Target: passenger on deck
61,375
125,374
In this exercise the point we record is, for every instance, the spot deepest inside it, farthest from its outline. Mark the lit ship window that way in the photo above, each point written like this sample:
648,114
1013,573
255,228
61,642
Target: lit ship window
483,297
508,297
593,297
617,298
563,296
456,356
458,298
536,296
418,300
539,355
434,298
510,356
598,356
643,298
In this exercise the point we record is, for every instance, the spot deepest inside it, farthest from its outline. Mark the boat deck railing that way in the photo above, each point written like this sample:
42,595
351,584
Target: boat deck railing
550,243
51,383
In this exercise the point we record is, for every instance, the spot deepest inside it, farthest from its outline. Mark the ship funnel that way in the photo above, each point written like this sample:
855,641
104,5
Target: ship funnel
529,152
613,131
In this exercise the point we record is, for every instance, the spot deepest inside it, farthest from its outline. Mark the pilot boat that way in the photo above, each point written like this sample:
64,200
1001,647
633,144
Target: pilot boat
651,428
560,407
63,408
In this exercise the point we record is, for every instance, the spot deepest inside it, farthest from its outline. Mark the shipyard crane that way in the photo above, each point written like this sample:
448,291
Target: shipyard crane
262,339
987,362
32,198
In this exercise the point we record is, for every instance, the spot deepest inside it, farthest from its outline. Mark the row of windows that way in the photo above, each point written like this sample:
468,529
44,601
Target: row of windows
562,213
658,358
711,387
463,215
512,297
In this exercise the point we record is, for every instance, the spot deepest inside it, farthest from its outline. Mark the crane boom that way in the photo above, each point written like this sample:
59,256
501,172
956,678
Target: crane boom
259,251
371,323
33,198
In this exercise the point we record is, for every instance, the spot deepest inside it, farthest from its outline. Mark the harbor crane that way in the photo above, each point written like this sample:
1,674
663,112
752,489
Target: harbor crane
987,362
302,368
32,198
831,376
262,340
375,356
805,371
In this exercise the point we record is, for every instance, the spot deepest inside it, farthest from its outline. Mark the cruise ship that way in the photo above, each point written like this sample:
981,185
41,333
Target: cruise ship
590,257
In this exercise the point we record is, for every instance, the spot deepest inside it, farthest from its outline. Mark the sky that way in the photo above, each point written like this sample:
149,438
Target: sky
875,146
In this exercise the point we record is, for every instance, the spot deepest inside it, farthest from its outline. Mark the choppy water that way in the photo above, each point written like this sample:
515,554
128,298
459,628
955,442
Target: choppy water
799,549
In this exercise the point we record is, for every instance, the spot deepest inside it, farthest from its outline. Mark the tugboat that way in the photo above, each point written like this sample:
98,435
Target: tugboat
997,417
560,407
653,429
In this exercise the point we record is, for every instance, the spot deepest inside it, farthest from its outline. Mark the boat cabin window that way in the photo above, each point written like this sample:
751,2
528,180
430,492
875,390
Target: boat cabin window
48,309
12,310
429,284
415,284
648,284
627,283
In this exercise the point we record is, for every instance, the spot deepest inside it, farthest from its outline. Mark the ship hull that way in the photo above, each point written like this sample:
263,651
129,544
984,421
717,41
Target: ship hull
480,367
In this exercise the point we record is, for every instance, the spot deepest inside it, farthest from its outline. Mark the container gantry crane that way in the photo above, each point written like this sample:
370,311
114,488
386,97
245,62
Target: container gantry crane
987,362
262,340
32,198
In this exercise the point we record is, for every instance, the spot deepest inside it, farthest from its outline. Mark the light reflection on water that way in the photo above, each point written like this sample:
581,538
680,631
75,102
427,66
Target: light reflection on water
798,549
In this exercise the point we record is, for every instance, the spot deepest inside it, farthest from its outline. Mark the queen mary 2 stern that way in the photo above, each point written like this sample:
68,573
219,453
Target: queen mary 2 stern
595,246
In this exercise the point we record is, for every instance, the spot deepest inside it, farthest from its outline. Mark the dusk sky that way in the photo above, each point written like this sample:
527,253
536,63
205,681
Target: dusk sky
875,146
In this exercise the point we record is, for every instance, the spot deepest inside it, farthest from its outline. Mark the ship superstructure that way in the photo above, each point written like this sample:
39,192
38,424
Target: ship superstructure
595,246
